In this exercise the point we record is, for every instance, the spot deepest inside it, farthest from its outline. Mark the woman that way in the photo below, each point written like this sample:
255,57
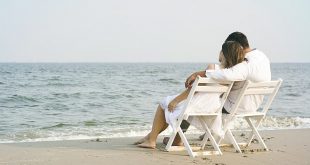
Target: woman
232,53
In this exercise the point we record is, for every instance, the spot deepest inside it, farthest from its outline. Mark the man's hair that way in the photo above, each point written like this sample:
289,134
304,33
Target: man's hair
238,37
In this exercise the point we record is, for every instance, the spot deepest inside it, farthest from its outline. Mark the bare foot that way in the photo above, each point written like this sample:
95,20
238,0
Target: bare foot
147,144
176,142
142,140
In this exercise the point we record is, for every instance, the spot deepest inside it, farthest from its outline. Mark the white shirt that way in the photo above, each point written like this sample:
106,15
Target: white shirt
255,69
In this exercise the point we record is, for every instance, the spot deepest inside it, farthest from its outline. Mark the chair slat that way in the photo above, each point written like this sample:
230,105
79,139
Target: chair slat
259,91
213,89
202,114
211,81
264,84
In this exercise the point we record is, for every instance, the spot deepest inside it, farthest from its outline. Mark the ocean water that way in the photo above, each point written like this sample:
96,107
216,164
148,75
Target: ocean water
46,102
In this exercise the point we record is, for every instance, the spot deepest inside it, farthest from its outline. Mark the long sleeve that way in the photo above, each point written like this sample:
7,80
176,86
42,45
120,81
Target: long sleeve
238,72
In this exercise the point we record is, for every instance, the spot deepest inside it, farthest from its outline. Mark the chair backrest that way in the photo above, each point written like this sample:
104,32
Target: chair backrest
268,88
203,84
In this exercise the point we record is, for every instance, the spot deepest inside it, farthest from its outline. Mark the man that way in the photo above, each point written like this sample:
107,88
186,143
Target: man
255,68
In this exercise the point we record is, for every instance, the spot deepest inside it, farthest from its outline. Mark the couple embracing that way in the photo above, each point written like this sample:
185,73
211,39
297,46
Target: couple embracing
238,62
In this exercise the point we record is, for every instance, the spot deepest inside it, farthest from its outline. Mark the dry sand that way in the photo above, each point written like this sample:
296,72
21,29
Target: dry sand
287,147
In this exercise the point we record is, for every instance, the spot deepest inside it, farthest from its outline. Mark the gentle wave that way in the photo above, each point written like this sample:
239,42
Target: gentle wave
94,129
90,123
58,84
169,80
293,94
19,98
270,123
60,125
67,95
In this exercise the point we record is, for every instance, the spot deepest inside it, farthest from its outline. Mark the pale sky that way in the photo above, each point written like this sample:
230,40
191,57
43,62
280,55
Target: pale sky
149,31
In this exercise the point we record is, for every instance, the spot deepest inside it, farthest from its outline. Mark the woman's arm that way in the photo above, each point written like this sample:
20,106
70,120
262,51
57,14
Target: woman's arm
178,99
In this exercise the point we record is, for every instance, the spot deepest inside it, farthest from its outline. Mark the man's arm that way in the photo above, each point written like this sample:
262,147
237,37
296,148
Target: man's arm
189,81
238,72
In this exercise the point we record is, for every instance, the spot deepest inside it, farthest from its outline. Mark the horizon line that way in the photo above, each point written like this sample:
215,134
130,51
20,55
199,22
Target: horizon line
91,62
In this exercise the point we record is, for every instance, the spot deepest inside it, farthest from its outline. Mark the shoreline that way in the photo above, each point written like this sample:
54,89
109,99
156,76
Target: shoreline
291,146
165,133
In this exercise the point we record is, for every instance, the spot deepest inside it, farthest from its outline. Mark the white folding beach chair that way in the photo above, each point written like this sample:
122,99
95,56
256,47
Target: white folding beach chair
268,90
201,85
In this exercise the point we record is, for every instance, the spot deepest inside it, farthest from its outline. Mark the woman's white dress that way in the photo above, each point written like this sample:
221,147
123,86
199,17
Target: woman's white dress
201,102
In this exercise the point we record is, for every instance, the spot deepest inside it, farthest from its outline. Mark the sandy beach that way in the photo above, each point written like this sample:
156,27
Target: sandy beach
286,147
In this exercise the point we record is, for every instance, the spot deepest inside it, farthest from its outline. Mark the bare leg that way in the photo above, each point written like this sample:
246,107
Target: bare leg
159,125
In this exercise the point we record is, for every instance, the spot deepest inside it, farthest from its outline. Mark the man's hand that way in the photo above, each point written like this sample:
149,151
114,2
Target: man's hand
172,105
189,81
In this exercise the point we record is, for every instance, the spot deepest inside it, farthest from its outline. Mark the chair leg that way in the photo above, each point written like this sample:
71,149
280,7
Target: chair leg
233,141
251,138
214,144
171,139
204,140
205,137
209,135
186,144
255,132
258,122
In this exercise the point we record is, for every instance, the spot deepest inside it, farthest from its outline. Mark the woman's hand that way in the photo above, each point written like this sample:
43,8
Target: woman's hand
189,81
172,105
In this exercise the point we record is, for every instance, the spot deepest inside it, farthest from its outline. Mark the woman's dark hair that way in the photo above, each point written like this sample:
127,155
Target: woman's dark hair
233,53
238,37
